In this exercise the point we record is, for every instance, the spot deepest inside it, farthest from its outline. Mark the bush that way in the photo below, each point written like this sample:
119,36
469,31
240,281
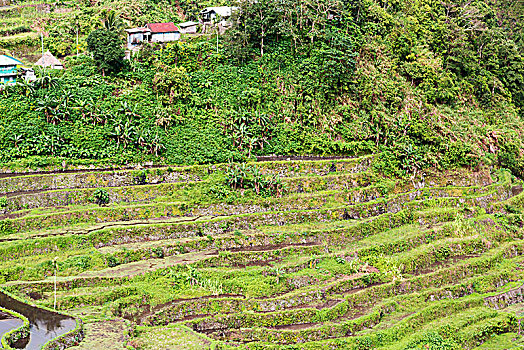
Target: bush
100,197
158,252
111,261
107,50
217,191
245,176
141,178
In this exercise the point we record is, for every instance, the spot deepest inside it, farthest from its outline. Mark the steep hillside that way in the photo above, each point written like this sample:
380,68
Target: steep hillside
323,175
427,83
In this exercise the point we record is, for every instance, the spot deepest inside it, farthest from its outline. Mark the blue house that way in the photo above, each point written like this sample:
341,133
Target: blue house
9,69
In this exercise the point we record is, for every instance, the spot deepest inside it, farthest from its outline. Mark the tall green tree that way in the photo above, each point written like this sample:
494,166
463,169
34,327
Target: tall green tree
112,21
256,24
106,48
171,83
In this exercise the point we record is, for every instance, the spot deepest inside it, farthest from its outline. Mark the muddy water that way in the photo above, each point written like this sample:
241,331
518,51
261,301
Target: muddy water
45,325
7,323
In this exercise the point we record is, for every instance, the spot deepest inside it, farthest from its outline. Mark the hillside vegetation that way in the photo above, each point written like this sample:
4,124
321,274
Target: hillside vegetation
426,82
323,175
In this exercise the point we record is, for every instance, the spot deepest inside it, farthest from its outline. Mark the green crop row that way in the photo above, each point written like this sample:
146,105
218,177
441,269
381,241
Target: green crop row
337,236
168,175
312,338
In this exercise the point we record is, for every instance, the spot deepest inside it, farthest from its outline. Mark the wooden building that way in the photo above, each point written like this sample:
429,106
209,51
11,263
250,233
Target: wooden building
9,69
209,14
216,16
188,27
152,33
163,32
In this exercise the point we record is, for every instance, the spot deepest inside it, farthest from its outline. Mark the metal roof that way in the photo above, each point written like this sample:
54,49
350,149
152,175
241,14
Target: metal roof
224,11
138,30
162,27
187,24
9,61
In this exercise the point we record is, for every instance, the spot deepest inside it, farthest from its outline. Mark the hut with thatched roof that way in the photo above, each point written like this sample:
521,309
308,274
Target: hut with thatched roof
49,61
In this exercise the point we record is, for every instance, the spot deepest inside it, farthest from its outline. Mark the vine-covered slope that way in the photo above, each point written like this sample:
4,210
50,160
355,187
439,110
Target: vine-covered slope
425,82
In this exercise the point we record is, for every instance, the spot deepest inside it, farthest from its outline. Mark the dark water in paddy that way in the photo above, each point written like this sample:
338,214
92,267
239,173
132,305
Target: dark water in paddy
45,325
6,324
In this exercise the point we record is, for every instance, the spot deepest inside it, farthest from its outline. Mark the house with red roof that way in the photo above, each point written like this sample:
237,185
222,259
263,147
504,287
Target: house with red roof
153,33
163,32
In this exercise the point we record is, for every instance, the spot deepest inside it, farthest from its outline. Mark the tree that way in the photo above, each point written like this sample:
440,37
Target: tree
107,50
255,25
112,21
172,83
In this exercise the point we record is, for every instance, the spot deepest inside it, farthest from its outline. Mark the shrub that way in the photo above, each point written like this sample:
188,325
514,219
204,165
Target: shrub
6,227
100,197
172,83
217,191
111,261
250,177
158,252
107,50
141,178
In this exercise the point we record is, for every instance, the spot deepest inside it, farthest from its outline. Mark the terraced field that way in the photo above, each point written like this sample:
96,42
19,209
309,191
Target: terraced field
19,24
341,258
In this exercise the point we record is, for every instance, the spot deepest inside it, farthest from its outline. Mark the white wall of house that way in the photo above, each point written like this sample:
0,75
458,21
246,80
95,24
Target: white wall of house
10,79
30,74
8,74
134,39
164,37
189,29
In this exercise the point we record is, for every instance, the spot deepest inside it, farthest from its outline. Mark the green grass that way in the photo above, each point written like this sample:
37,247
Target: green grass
507,341
32,35
106,334
175,337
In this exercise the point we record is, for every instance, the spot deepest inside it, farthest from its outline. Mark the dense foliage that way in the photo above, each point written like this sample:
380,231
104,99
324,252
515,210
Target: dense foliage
106,49
427,83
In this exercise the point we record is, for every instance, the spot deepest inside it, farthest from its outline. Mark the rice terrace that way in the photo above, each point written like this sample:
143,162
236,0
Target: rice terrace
333,254
262,174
